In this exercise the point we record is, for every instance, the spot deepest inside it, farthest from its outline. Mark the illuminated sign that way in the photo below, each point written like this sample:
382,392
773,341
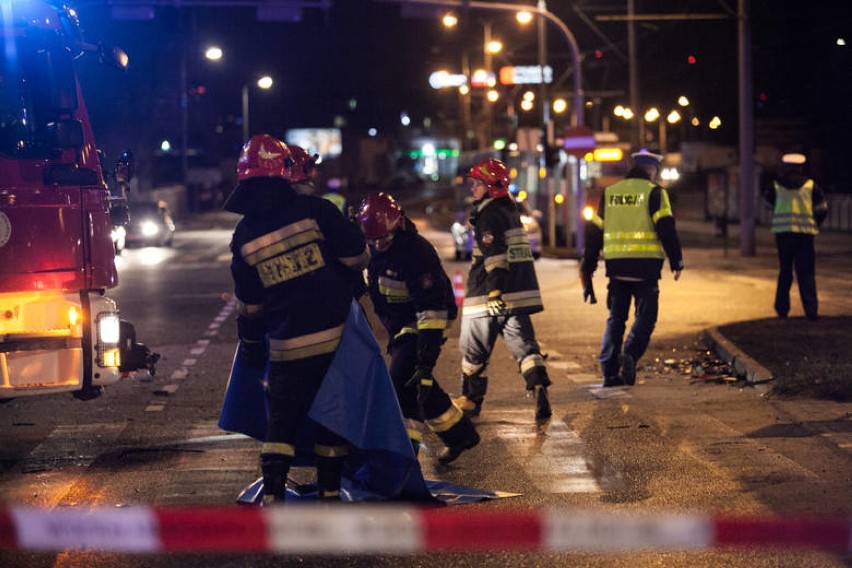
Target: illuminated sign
608,154
443,79
525,75
328,142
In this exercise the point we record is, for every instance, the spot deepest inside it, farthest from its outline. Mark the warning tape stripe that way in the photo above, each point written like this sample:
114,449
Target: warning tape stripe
384,529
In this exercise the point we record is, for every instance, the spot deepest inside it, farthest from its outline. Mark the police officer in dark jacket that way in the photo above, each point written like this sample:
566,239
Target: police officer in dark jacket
414,300
635,228
293,257
799,208
502,292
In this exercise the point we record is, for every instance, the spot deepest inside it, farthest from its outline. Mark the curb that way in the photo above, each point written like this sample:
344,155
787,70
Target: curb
754,372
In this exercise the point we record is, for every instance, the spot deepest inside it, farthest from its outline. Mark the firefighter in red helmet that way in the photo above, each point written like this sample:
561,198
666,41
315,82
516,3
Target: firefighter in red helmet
413,298
502,292
293,260
301,170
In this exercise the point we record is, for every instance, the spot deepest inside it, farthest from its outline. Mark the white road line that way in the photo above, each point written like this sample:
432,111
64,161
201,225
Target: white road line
553,459
73,444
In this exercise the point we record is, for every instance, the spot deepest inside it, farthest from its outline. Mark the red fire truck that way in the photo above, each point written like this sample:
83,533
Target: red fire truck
58,329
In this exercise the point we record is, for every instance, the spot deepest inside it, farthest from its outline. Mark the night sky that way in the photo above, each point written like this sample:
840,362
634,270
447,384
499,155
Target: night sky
365,51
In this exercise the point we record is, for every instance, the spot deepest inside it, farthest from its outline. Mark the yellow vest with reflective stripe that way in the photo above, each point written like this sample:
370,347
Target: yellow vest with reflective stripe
794,211
628,228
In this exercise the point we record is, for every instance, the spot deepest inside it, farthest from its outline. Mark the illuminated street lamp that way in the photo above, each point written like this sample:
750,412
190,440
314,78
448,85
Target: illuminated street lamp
213,53
264,82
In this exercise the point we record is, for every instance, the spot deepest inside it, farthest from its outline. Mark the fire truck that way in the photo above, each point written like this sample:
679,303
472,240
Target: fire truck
59,332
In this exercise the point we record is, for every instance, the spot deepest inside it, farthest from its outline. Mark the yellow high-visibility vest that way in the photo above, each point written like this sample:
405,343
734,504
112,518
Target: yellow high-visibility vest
794,211
628,228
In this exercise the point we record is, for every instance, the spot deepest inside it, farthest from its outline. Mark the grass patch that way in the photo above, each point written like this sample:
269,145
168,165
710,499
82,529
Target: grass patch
807,359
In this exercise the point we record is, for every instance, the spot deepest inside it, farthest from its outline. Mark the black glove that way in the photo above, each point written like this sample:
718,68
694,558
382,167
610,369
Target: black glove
496,306
423,380
588,289
254,353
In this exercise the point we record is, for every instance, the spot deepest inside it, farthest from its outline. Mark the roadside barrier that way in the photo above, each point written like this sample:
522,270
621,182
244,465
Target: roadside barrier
383,529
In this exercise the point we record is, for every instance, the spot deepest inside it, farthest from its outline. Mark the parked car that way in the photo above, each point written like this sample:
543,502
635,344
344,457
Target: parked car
463,233
150,224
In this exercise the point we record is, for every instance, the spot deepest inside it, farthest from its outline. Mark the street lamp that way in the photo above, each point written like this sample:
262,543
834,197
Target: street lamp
264,82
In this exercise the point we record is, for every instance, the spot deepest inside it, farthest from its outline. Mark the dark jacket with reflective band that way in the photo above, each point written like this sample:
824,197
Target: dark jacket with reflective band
502,260
798,204
634,226
293,257
411,293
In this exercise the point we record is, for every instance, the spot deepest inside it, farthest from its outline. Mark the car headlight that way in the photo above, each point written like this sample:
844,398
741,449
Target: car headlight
149,228
109,334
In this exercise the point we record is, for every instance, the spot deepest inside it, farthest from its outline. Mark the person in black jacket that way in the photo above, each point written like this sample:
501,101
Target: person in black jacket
414,300
635,228
502,292
294,257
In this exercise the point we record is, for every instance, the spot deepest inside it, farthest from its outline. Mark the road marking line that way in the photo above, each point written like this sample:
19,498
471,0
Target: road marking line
554,459
180,373
189,362
77,444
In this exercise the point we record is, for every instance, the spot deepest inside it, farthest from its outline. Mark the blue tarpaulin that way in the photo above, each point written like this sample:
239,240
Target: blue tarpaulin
356,401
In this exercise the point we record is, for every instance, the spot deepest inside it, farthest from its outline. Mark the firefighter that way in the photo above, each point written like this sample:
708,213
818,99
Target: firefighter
635,228
799,208
291,257
301,169
414,300
502,292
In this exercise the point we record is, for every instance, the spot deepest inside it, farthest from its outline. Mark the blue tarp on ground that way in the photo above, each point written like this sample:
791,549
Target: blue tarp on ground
357,401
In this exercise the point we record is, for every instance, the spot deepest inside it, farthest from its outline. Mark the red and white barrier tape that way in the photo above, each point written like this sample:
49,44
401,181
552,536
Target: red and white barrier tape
385,529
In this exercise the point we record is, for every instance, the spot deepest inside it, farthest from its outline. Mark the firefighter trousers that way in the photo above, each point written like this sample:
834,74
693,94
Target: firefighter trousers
479,334
293,385
435,409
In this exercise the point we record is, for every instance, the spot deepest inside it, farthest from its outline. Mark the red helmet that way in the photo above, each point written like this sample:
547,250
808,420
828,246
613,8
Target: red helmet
263,156
302,164
379,215
494,174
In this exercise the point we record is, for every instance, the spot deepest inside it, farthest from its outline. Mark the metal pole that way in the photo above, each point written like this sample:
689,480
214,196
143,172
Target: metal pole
747,238
245,112
184,109
635,98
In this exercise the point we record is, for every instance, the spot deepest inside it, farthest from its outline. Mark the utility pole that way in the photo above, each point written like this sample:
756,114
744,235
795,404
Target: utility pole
747,194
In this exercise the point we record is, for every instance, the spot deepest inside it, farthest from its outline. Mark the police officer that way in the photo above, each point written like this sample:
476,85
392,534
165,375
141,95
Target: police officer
635,228
799,208
502,292
291,257
414,300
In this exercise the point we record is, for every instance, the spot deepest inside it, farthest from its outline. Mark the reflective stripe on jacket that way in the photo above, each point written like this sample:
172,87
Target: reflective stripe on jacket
628,228
794,210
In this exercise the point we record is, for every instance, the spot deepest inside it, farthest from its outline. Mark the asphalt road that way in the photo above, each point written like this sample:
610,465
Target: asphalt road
669,444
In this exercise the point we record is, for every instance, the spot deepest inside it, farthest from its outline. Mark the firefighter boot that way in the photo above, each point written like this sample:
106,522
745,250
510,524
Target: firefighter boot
275,468
537,383
329,472
542,404
462,436
474,388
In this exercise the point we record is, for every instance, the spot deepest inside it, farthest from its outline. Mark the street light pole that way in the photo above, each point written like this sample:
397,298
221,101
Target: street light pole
245,94
264,82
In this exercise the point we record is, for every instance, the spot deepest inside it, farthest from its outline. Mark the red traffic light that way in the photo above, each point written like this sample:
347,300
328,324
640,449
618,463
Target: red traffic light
691,59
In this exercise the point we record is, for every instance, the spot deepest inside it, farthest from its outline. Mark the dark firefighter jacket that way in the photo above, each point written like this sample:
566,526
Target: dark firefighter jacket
502,260
657,211
411,293
293,260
